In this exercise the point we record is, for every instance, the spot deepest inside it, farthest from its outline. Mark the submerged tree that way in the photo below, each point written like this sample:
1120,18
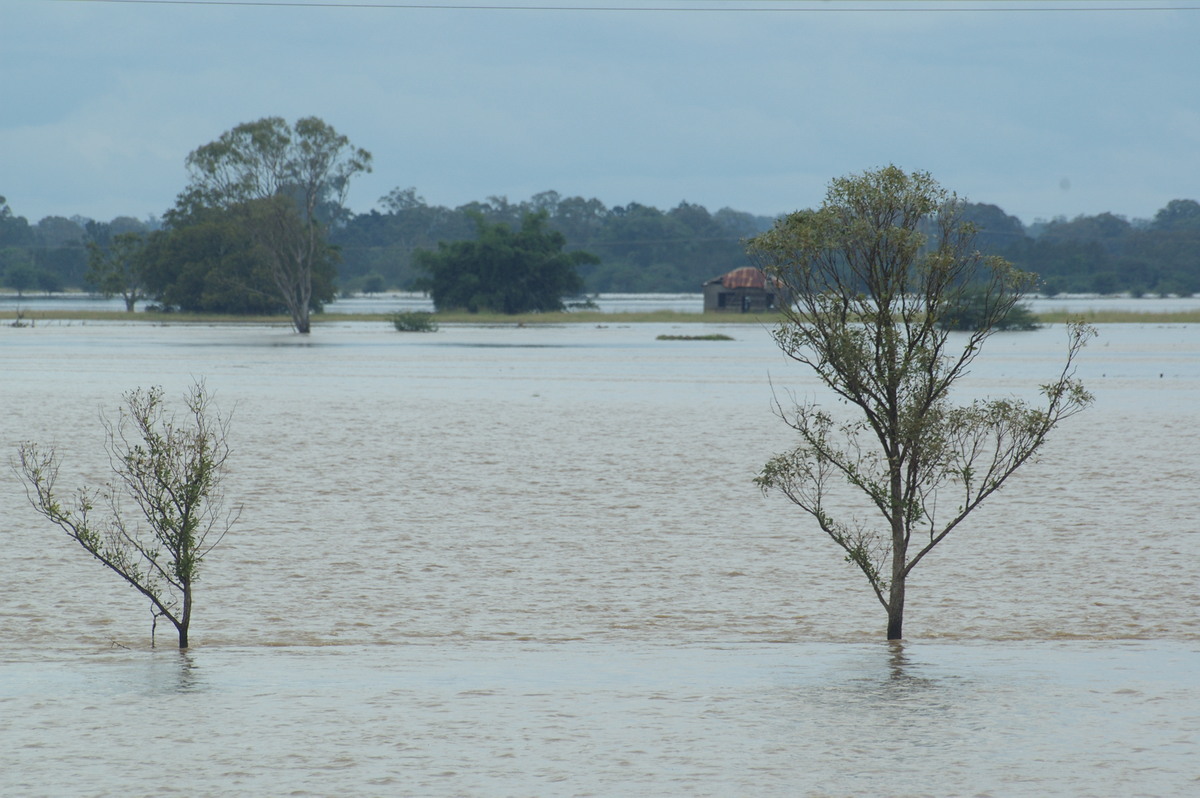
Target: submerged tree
290,183
971,311
172,471
116,270
504,271
871,291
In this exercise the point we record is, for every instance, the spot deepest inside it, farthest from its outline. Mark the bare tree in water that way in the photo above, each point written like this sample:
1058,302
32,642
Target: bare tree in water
172,470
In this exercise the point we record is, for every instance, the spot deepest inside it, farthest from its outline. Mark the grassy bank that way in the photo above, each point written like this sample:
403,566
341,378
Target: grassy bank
8,316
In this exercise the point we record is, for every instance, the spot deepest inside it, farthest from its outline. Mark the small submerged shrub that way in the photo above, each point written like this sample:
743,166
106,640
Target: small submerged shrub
710,337
414,321
972,311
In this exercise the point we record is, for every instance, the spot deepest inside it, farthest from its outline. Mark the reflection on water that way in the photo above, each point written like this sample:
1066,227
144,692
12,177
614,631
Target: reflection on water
502,561
189,678
900,670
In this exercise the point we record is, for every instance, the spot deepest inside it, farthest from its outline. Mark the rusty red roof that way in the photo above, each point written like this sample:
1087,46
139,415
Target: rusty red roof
745,277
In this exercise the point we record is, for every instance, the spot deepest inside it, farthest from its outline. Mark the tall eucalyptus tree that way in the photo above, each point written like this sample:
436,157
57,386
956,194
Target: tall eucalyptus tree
291,184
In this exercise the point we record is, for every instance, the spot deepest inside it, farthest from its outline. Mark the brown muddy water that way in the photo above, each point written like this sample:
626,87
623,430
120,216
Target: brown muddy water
532,561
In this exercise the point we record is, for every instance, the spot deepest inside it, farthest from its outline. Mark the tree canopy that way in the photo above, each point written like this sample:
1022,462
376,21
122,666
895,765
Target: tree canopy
287,184
503,270
874,271
207,262
117,270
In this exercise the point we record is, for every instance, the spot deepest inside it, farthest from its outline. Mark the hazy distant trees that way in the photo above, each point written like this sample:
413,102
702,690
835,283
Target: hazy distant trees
19,276
287,184
54,252
1109,254
19,266
14,230
503,270
169,475
639,248
118,269
1177,216
874,270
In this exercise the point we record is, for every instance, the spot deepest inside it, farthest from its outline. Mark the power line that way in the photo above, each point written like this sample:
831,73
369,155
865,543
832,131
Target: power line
714,6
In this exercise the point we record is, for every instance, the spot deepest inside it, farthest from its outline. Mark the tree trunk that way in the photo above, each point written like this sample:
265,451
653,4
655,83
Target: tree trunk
185,617
300,321
895,628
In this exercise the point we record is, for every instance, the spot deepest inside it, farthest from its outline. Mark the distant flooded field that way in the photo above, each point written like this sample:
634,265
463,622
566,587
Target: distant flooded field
393,302
495,560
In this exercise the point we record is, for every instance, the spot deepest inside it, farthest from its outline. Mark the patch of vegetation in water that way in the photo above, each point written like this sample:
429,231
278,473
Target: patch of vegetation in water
416,321
710,337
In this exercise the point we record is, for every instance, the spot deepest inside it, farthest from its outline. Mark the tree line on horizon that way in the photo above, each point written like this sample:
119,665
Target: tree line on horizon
638,248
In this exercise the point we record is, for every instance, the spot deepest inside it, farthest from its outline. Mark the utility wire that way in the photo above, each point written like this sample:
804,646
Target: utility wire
716,6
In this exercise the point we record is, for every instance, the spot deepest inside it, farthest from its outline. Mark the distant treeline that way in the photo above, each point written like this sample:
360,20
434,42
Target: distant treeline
52,255
643,249
1103,254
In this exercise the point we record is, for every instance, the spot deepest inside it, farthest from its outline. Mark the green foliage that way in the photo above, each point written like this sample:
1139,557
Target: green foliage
287,185
504,271
20,277
171,471
373,283
1104,253
414,321
971,313
875,272
207,262
117,270
56,247
639,248
14,230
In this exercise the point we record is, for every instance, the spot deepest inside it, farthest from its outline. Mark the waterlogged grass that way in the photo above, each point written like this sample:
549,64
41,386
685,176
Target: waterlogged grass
1122,317
500,319
712,337
33,317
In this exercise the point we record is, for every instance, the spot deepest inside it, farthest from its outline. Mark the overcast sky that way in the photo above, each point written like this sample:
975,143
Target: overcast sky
1042,112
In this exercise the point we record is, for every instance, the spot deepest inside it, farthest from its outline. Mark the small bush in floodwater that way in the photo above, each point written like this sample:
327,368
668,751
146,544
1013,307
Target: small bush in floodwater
414,321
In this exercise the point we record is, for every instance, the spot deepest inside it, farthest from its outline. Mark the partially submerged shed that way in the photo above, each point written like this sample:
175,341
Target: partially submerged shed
744,290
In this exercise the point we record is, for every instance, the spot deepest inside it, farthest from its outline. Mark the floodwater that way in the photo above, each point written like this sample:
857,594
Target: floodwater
532,561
